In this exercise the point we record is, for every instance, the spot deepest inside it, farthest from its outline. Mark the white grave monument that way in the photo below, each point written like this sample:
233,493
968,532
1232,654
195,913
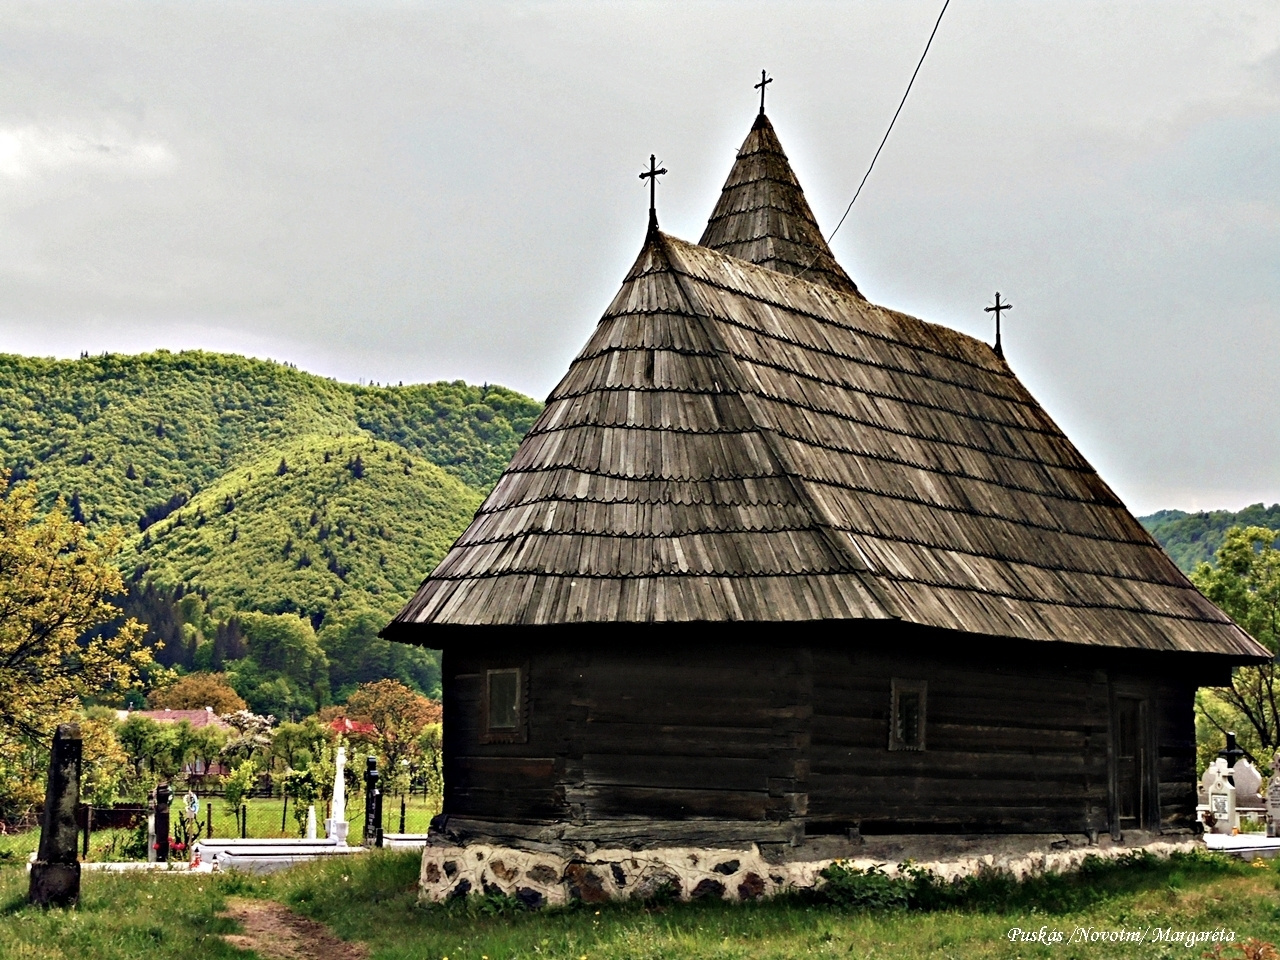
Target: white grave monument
336,826
260,856
1248,781
1220,793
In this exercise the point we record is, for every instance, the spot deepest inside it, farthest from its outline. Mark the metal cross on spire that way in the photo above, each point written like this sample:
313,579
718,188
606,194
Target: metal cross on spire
997,310
652,175
765,80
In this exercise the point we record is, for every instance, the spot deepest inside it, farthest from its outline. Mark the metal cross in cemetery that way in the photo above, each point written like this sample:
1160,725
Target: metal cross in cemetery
997,309
765,80
652,175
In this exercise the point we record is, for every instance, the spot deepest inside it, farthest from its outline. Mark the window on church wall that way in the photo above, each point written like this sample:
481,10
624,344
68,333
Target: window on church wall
503,710
907,714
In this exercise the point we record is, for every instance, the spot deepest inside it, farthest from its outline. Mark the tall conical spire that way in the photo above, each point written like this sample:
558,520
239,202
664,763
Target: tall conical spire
763,216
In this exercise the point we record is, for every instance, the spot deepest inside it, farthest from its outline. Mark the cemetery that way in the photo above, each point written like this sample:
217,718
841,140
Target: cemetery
176,828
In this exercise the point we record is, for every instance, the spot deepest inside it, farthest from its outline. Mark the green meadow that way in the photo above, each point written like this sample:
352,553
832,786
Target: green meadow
371,900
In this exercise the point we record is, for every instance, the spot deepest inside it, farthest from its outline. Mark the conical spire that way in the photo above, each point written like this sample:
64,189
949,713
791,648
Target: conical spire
763,216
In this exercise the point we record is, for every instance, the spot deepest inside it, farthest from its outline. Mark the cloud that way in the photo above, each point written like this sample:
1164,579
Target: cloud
32,151
415,190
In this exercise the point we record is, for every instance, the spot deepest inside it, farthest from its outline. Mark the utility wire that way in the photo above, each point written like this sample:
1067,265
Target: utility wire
901,104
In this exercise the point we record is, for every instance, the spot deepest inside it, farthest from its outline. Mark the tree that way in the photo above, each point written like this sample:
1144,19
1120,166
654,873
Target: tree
303,788
206,744
431,750
357,655
139,736
1245,583
287,673
196,691
397,712
252,737
61,639
55,590
297,744
238,788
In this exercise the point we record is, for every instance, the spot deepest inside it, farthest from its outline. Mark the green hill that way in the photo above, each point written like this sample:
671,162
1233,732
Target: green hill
1194,538
130,437
319,526
252,487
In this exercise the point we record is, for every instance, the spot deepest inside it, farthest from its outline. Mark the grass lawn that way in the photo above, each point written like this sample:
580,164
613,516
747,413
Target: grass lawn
373,899
265,814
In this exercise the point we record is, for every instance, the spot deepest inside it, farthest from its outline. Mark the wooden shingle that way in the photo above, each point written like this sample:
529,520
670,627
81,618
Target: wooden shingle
763,217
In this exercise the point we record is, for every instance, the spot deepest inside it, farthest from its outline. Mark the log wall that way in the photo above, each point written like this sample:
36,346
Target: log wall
800,736
1008,749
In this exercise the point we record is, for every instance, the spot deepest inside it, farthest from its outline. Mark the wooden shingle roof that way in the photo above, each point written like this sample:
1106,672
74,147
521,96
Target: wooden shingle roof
762,215
737,444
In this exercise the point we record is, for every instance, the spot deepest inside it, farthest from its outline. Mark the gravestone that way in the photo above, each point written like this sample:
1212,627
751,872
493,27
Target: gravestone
1221,815
1248,781
55,874
158,824
372,804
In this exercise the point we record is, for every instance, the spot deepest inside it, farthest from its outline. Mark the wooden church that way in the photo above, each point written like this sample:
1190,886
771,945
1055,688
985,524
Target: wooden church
776,563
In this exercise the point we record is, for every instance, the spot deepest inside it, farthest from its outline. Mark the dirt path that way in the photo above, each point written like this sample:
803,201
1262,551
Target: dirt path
275,932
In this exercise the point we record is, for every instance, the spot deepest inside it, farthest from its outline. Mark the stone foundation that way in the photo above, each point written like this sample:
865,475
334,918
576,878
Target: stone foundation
544,878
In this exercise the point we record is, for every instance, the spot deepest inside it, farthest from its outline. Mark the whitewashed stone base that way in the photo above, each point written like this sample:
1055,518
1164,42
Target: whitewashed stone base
688,873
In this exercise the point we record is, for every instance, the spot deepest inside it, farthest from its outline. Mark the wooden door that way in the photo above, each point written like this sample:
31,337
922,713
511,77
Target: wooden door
1129,745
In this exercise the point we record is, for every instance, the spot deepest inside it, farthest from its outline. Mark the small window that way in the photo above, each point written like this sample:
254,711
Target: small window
504,705
906,715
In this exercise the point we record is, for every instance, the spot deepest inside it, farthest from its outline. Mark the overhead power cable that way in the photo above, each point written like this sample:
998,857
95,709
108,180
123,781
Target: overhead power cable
885,139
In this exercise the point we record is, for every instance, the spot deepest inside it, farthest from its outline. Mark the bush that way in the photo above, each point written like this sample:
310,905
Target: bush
918,889
872,888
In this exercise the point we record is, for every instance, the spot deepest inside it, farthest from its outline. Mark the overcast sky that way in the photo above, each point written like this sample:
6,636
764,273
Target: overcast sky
416,192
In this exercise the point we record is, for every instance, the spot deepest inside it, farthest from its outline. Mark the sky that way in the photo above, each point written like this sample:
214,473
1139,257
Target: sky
422,191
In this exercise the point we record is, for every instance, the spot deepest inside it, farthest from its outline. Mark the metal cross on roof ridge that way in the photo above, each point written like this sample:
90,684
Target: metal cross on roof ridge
765,80
997,310
652,175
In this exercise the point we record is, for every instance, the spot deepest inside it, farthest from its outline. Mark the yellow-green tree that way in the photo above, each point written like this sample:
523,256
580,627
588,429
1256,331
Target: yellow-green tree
55,593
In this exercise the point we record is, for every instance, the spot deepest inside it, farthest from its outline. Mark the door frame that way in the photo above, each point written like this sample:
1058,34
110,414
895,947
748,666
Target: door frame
1149,808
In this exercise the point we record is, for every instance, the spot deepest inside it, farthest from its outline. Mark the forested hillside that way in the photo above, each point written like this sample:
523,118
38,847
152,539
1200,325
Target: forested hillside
318,526
1193,538
128,437
250,489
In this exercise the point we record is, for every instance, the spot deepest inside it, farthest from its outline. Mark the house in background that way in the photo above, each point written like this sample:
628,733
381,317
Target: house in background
197,718
196,768
777,563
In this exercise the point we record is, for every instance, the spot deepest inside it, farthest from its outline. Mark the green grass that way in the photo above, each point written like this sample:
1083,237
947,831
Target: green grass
373,898
263,822
132,916
17,847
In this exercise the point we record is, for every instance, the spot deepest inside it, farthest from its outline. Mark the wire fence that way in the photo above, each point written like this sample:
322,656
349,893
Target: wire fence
274,817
